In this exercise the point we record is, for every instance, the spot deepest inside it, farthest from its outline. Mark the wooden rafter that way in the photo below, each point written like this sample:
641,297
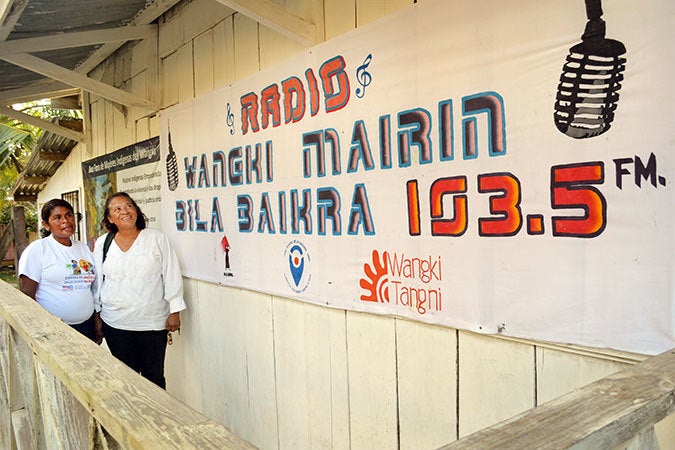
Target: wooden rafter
11,10
40,123
52,156
277,18
76,39
5,8
73,78
37,91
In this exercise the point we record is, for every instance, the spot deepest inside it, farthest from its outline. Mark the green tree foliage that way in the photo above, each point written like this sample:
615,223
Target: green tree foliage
8,177
11,139
17,141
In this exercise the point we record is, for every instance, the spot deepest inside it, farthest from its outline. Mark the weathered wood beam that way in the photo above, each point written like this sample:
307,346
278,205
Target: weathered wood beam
23,432
5,350
5,8
68,102
41,123
76,39
37,91
52,156
25,197
35,179
277,18
19,232
73,78
65,419
6,241
603,414
12,10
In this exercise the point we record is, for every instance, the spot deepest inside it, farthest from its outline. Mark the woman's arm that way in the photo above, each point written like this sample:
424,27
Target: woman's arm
171,276
28,286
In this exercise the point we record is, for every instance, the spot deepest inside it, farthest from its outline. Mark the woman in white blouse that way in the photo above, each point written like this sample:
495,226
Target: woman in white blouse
141,288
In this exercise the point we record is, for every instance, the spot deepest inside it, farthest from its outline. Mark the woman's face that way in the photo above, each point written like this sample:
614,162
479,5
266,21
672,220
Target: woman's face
122,213
61,224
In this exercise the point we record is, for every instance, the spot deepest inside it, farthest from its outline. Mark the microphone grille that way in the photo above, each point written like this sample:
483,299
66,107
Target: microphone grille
588,90
171,167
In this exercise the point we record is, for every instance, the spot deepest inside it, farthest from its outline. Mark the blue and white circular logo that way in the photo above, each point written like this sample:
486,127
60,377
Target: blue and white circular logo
298,266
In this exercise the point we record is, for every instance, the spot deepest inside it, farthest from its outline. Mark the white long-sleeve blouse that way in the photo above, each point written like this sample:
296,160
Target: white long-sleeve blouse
139,287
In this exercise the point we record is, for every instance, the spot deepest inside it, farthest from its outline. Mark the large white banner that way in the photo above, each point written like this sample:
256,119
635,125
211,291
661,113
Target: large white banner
498,166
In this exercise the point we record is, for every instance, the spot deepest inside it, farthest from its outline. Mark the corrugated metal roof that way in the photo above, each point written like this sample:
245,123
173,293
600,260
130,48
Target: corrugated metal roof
47,156
37,18
48,17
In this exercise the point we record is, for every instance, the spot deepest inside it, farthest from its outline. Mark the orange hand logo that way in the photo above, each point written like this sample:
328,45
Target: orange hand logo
377,283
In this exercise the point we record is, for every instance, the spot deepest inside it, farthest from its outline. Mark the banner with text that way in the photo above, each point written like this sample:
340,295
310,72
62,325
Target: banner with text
478,164
133,169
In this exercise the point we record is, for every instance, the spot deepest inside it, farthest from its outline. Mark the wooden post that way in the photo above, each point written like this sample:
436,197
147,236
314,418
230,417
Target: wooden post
20,237
5,419
65,420
24,397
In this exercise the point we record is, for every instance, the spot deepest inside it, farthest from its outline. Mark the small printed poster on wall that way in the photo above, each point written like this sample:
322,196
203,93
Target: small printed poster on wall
494,166
133,169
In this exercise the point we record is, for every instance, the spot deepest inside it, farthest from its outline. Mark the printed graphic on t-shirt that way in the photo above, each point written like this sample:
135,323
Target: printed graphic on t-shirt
82,275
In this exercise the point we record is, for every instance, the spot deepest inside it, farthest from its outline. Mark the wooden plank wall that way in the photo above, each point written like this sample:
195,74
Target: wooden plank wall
284,374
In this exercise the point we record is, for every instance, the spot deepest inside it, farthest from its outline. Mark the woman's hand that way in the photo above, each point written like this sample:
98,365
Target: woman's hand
98,328
173,322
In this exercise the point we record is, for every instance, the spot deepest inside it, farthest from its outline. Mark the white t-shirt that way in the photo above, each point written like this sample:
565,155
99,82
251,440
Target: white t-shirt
141,286
65,276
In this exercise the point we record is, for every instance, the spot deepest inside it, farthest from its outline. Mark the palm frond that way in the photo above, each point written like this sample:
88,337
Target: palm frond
10,138
11,133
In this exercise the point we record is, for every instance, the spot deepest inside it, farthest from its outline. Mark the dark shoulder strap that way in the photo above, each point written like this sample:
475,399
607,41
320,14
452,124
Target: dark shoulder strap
106,245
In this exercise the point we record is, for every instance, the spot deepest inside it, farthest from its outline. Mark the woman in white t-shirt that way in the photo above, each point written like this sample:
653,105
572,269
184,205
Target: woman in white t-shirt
58,272
141,292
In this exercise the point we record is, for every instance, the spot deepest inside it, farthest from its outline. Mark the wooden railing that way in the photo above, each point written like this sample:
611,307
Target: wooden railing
620,409
58,390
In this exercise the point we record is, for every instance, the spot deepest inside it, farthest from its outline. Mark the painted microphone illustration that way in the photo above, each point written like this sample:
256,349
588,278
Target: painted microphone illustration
171,167
588,91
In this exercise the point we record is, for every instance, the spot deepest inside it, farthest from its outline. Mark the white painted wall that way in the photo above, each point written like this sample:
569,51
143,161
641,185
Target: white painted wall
289,375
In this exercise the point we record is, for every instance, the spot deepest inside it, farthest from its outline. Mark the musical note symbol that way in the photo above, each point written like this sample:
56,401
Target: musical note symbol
230,119
363,76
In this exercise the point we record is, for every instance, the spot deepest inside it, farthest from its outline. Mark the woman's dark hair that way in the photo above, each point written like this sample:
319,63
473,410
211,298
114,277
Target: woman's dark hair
140,217
47,209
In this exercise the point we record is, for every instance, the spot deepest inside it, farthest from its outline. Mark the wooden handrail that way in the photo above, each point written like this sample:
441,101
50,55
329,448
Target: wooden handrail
603,414
139,415
135,412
